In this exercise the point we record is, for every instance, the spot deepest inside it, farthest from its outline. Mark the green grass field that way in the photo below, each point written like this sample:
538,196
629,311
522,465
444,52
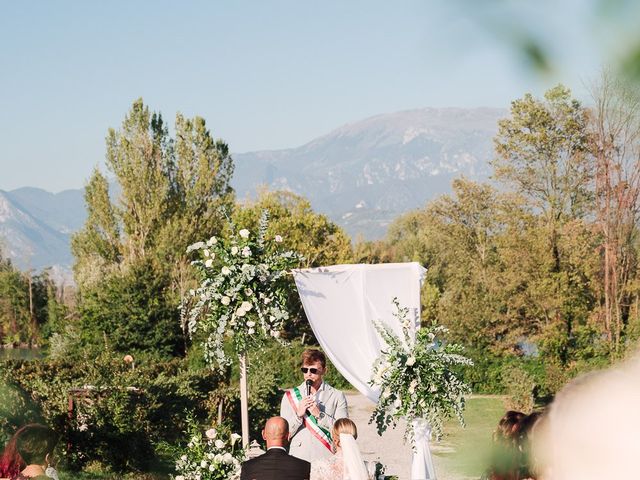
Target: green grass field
463,452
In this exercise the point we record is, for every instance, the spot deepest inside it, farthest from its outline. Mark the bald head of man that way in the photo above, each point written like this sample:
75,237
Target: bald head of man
276,432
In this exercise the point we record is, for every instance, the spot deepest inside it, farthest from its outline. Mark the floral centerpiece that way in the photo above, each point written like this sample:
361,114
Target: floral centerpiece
417,377
242,293
210,455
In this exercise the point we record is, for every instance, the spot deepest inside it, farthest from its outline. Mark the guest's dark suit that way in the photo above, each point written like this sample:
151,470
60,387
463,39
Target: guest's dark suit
276,464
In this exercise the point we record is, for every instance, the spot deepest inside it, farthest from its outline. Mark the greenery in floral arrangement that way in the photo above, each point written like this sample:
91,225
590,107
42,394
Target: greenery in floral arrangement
210,455
243,291
418,378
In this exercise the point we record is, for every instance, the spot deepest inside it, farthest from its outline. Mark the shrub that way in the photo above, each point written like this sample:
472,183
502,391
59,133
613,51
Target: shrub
121,413
519,386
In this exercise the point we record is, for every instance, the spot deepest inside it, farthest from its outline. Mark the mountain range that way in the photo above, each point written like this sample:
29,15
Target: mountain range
362,175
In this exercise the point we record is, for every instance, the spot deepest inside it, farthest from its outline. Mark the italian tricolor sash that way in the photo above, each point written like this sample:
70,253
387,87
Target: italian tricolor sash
310,422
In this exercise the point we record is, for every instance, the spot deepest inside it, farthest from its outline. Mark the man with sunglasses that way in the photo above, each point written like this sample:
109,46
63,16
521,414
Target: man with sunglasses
311,416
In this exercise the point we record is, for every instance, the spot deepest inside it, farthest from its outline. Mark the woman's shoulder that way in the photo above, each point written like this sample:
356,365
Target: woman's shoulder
33,471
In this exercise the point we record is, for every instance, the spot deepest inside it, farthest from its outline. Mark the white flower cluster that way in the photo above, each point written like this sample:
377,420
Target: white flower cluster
417,376
210,457
242,294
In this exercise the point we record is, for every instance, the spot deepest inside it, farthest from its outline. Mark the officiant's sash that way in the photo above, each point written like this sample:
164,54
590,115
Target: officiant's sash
310,422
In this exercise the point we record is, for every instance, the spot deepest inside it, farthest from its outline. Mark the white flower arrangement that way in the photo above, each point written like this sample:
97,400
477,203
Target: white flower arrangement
210,456
418,378
242,294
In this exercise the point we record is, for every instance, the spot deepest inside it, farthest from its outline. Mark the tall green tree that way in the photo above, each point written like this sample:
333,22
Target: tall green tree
171,192
542,153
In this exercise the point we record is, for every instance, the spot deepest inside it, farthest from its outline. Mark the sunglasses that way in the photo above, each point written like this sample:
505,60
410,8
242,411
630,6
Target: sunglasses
310,370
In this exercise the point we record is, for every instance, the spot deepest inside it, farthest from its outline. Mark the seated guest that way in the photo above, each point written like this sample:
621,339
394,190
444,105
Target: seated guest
276,463
505,458
28,453
590,430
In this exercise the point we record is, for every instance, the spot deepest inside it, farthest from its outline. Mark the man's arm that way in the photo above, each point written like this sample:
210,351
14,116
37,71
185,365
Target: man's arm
287,412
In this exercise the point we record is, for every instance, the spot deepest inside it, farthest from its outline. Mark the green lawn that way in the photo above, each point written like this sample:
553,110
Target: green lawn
463,452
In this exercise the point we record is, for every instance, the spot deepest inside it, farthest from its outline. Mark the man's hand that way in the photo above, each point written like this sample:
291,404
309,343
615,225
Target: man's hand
307,403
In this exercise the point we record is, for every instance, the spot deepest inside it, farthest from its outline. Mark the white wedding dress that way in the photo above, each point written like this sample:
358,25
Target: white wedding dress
346,464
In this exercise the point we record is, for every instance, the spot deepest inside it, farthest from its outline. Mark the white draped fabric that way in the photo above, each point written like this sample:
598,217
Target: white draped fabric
341,303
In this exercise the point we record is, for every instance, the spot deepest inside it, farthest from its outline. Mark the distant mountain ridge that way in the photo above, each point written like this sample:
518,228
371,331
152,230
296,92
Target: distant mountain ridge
362,175
36,227
366,173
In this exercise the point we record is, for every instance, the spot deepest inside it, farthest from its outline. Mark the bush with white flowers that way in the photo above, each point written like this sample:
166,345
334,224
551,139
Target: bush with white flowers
418,378
243,290
210,455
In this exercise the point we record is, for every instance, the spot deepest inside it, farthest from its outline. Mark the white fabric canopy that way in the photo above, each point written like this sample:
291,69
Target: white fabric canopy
342,302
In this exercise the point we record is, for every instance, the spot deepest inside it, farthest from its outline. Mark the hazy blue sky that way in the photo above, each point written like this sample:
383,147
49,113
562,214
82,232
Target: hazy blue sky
264,74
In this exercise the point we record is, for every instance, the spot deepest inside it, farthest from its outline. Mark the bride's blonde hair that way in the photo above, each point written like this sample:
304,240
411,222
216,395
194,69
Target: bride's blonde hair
343,425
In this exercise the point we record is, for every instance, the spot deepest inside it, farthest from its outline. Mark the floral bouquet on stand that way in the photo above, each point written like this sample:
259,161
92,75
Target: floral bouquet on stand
210,455
417,377
243,291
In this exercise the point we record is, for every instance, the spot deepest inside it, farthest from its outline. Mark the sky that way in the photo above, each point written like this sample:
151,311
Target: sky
264,74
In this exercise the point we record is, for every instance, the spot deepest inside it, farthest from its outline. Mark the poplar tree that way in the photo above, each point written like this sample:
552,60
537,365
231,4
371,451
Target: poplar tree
167,193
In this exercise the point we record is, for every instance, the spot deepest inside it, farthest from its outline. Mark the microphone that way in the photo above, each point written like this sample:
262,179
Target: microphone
309,383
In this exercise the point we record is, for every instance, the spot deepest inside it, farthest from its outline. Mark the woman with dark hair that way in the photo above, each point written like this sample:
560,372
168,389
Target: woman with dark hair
505,461
28,452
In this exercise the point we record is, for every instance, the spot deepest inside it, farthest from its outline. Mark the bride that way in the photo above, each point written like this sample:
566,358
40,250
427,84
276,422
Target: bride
347,463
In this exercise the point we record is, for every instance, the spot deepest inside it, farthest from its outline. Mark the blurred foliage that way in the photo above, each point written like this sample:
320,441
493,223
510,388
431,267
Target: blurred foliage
613,22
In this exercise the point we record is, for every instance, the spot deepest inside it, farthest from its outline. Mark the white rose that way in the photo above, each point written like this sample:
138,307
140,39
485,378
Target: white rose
226,270
246,306
278,239
251,331
241,312
244,233
246,252
267,301
212,241
225,300
234,250
203,464
251,324
220,444
227,458
248,292
211,433
212,467
208,263
179,477
411,361
218,458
